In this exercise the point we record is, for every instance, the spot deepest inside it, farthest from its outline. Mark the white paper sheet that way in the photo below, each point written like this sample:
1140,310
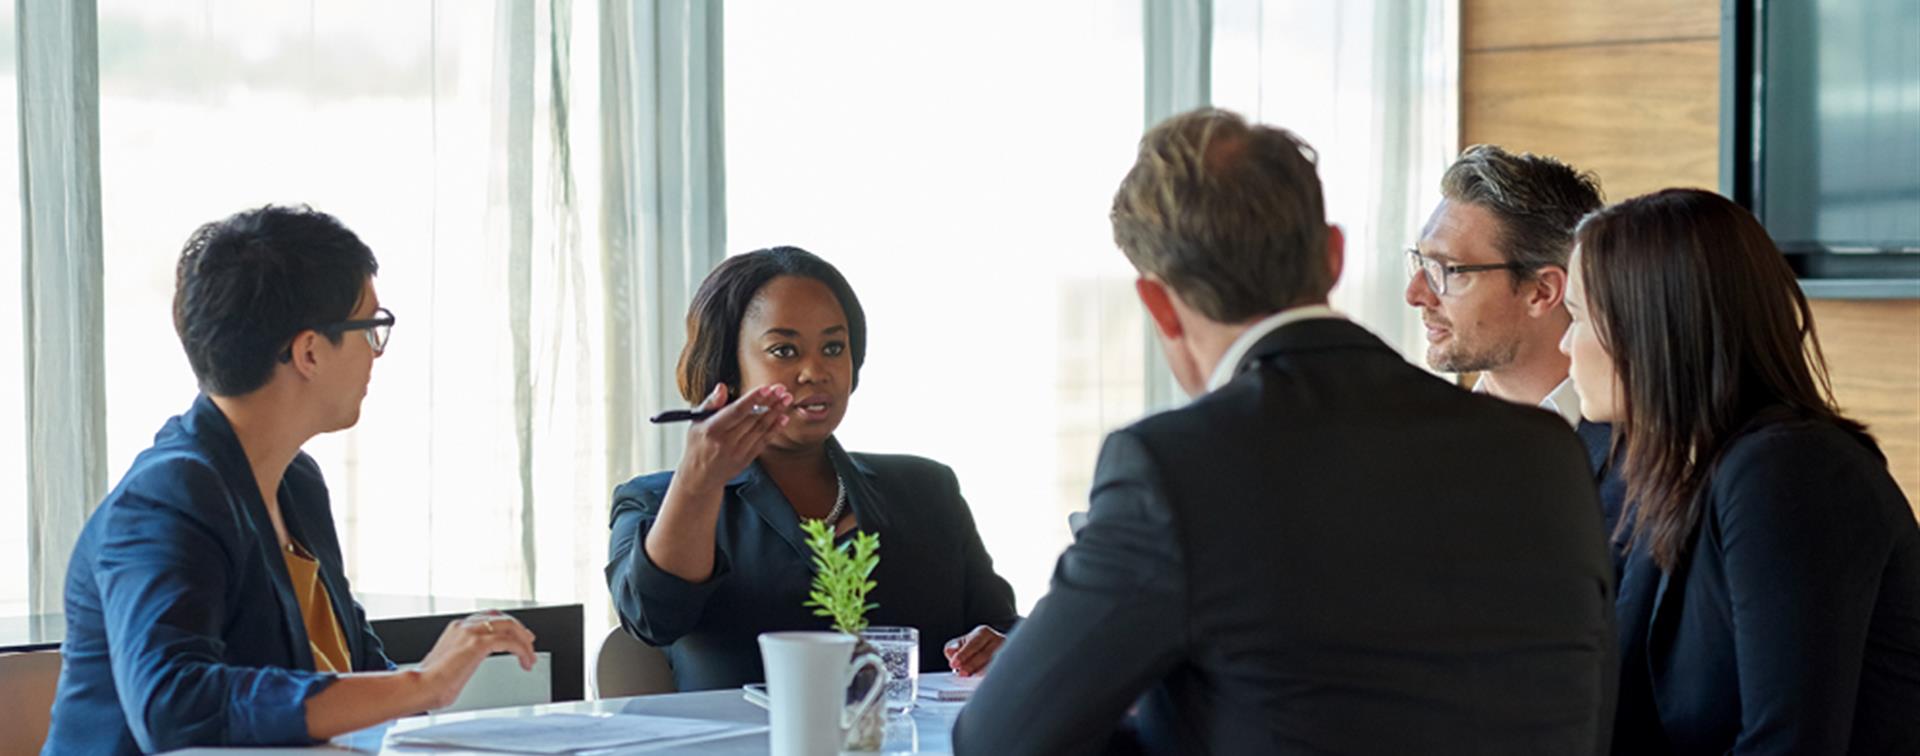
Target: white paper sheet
570,733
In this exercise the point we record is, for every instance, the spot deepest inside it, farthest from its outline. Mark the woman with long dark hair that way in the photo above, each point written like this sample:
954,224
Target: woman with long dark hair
1771,595
709,555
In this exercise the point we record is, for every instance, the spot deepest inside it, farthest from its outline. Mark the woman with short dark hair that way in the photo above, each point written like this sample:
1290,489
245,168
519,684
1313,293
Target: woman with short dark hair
207,600
709,555
1771,595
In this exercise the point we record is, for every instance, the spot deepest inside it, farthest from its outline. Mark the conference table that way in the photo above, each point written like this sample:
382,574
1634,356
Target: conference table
925,729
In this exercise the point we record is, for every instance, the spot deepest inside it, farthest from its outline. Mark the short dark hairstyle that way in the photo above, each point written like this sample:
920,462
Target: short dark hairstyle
246,285
1707,328
1538,200
712,355
1228,214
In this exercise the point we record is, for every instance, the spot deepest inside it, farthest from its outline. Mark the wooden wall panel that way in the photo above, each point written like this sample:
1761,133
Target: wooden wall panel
1642,117
1629,89
1492,24
1873,356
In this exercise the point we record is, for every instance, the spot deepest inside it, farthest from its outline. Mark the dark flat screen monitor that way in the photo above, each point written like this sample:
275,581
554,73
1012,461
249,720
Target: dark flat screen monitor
1821,130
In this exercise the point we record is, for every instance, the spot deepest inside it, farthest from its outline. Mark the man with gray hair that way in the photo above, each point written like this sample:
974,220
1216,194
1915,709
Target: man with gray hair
1312,556
1489,276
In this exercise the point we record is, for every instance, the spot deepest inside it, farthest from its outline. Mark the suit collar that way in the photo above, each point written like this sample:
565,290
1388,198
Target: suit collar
1231,362
758,490
1640,587
212,432
1315,335
842,462
1645,593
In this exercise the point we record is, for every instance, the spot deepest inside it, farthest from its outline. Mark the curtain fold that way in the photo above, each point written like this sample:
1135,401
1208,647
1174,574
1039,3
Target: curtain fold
663,199
1178,54
63,309
514,184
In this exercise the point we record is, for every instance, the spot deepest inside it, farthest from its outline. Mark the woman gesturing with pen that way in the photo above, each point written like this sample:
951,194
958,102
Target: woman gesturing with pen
707,556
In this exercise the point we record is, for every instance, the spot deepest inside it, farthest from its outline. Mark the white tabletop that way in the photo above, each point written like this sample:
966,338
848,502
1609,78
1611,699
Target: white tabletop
926,729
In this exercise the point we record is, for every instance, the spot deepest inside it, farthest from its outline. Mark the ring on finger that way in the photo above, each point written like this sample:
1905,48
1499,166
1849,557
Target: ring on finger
758,409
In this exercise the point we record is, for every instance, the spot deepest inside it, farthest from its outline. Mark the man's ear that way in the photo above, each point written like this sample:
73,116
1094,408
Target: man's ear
1159,303
306,353
1547,291
1336,254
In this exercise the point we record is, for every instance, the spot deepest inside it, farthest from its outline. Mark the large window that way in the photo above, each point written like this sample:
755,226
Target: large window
211,108
956,161
395,118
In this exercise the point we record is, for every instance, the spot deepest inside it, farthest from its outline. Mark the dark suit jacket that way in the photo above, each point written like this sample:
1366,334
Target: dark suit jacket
182,625
1334,553
934,573
1792,624
1598,438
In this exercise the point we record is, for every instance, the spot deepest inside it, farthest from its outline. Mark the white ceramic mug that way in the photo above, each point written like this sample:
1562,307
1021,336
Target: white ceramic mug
807,678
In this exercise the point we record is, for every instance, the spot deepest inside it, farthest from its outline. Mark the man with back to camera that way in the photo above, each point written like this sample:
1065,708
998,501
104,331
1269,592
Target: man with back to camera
1329,549
1489,277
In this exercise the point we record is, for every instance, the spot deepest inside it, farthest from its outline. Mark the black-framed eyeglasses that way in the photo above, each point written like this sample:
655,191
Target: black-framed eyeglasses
377,329
1438,273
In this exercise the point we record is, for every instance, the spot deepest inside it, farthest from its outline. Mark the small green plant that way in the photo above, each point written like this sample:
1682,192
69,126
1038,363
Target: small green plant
842,575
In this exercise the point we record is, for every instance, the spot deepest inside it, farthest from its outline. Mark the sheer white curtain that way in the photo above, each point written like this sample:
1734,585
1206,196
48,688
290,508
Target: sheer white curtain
59,221
16,564
665,208
1373,85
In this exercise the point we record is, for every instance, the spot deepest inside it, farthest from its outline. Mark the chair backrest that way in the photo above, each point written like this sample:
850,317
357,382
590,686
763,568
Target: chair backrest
27,682
625,666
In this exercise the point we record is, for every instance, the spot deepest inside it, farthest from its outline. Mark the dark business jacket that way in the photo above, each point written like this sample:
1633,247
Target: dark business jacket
1792,623
182,625
1598,438
934,573
1334,553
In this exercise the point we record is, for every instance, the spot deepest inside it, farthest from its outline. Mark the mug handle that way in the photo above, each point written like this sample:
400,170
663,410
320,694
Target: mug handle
850,714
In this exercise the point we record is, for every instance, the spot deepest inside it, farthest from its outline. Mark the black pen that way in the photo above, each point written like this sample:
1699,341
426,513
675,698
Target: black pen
681,415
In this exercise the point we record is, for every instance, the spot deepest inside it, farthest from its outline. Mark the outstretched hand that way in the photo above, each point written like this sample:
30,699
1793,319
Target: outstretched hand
721,446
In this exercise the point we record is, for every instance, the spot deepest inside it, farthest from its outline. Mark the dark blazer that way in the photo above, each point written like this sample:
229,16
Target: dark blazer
934,573
1598,438
1334,553
182,625
1792,623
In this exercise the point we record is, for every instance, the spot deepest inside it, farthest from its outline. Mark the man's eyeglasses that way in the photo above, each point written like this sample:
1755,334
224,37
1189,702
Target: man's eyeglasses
377,328
1439,273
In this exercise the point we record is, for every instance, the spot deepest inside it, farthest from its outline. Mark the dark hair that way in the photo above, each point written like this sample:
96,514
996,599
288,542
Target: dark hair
712,355
247,285
1538,200
1227,214
1707,328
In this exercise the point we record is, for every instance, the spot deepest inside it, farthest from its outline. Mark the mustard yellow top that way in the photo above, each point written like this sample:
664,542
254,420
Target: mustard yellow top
316,610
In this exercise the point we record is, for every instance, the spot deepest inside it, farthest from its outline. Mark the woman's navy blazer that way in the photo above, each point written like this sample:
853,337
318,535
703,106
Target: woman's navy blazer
182,625
1791,624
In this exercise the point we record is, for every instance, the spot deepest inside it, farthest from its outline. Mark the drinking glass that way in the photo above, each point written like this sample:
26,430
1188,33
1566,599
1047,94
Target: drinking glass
899,649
